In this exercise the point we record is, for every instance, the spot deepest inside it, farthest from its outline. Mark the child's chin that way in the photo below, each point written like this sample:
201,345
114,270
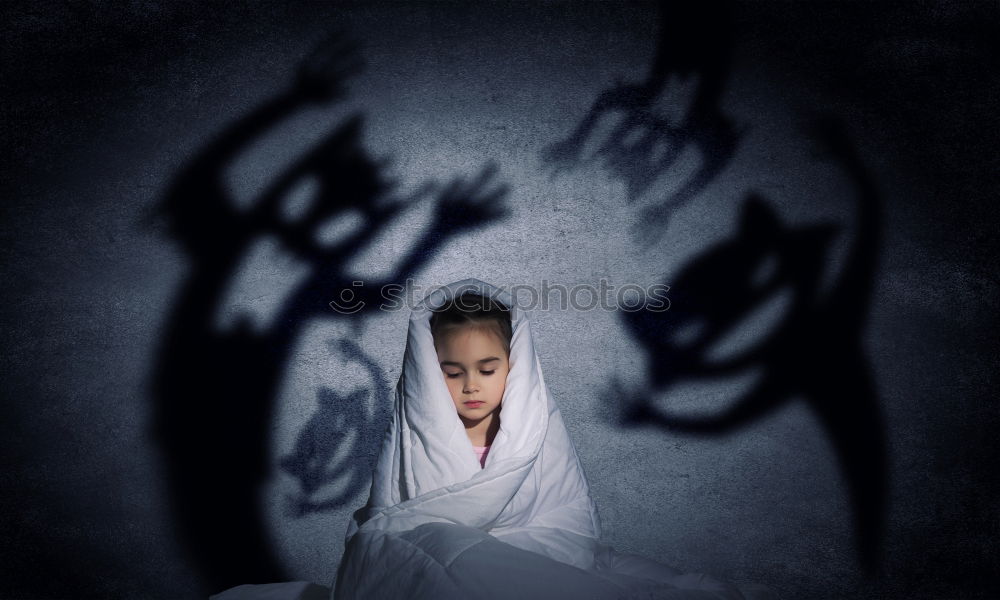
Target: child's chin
475,414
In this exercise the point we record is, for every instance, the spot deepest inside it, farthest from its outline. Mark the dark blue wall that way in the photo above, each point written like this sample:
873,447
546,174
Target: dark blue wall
186,187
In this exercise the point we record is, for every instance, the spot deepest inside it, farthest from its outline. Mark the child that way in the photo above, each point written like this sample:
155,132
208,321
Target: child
517,523
472,338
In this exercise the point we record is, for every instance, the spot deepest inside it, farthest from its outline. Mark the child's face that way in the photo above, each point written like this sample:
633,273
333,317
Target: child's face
475,368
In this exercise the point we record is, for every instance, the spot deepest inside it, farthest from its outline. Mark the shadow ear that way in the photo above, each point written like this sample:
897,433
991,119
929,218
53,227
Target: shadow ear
816,240
757,217
823,234
327,397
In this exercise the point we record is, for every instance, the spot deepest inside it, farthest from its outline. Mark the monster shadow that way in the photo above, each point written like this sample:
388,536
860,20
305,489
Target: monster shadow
214,390
815,353
695,40
313,462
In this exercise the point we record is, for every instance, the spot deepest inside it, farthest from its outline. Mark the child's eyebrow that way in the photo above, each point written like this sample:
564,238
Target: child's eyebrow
450,363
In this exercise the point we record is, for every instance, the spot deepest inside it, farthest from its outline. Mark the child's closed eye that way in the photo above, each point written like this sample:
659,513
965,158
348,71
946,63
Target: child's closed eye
454,375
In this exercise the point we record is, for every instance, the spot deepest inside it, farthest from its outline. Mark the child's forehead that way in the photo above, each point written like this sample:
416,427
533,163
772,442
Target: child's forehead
468,339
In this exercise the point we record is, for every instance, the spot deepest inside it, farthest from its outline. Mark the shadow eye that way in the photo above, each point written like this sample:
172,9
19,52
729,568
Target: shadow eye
339,227
760,322
300,199
451,375
488,372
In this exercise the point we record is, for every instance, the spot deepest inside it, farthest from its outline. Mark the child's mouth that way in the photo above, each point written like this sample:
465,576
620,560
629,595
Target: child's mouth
474,404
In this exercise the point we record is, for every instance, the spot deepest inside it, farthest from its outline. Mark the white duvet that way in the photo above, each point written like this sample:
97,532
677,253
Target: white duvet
437,525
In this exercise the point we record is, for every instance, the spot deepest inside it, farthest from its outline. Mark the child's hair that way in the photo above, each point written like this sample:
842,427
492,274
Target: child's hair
473,310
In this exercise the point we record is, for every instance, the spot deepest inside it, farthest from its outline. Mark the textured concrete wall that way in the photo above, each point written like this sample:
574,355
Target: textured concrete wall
183,410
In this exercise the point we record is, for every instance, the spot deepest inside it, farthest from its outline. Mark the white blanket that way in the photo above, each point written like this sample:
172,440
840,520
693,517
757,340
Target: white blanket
437,525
